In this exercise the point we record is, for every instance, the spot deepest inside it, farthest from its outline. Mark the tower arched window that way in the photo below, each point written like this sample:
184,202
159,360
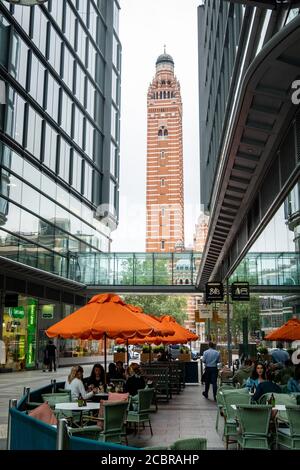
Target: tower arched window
172,94
162,244
162,133
162,182
168,94
160,95
156,94
162,154
165,95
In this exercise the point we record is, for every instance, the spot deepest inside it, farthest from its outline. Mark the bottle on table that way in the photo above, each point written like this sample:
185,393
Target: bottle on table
80,401
272,400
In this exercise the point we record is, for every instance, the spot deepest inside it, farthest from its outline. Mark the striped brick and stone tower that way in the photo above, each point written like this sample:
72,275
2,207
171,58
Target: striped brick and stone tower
164,199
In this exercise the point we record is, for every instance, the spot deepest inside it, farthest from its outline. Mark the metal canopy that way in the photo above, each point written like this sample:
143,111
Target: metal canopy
263,113
270,4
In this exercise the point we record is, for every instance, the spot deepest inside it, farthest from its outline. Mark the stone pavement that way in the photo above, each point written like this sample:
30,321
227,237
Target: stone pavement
188,414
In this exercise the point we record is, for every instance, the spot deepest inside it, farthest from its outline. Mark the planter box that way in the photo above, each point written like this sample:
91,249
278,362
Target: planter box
145,357
120,356
184,357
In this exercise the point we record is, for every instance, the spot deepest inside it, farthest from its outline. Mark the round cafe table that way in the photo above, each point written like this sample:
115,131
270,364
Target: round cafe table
73,406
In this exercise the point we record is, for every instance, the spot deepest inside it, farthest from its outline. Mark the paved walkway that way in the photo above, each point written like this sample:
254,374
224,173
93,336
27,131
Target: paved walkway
188,414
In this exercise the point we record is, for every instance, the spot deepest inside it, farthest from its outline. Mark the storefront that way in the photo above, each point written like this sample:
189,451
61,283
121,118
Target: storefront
24,322
19,327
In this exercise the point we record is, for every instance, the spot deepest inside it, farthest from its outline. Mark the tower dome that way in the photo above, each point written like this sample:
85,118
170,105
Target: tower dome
165,61
164,58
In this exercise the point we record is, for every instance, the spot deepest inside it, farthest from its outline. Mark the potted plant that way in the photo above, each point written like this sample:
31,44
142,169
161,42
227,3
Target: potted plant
184,354
263,353
157,350
145,355
120,354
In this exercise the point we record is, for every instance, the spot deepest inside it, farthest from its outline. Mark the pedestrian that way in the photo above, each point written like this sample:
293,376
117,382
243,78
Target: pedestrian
279,355
211,358
50,355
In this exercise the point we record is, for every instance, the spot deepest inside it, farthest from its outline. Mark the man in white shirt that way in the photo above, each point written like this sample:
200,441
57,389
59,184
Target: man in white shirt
211,358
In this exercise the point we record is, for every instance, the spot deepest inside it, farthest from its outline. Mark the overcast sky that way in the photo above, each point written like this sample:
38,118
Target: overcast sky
145,26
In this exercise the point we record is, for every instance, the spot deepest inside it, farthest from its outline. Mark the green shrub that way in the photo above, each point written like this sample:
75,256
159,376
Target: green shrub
146,348
262,350
184,350
120,349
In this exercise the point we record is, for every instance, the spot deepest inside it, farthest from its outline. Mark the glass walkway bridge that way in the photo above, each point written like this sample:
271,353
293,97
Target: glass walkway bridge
162,272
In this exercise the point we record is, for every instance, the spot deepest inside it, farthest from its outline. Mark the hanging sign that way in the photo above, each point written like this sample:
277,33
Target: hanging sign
214,291
240,291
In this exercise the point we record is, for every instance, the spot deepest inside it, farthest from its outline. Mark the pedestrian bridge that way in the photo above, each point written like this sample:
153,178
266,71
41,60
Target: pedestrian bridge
177,272
159,273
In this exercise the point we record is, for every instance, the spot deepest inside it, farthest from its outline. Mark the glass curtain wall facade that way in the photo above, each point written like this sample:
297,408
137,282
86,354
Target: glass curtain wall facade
60,74
59,153
230,37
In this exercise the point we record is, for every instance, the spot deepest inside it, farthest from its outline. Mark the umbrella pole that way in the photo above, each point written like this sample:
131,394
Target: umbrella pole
105,360
127,347
150,353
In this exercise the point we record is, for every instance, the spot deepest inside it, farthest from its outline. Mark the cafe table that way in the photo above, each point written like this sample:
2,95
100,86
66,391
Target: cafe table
73,406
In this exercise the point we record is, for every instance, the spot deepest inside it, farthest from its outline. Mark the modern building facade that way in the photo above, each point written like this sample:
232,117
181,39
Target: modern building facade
60,69
249,129
165,196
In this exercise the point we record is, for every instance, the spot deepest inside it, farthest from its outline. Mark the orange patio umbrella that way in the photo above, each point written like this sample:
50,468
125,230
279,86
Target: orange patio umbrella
290,331
181,335
105,315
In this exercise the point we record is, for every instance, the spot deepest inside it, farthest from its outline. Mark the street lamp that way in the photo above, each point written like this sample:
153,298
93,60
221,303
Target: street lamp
28,3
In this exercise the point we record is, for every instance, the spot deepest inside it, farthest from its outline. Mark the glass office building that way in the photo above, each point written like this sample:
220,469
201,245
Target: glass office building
60,66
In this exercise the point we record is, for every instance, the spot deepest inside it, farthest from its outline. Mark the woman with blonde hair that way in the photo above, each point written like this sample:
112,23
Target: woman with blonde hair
75,384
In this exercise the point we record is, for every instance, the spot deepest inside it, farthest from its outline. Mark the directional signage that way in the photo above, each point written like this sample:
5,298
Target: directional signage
222,311
240,291
206,312
214,291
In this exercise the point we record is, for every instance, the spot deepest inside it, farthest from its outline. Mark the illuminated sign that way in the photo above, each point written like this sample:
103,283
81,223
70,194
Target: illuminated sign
16,312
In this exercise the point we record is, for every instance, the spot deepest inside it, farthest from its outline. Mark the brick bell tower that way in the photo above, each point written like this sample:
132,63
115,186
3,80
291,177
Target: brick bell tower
165,197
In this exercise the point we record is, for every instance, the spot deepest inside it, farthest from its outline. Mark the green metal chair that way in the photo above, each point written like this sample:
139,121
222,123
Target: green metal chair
230,425
290,437
220,401
280,399
194,443
254,421
142,413
113,420
54,398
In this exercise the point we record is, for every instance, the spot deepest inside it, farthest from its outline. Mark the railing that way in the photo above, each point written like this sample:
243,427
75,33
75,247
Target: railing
269,269
27,433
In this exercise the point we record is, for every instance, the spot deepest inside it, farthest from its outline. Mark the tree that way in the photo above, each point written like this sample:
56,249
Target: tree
249,310
160,305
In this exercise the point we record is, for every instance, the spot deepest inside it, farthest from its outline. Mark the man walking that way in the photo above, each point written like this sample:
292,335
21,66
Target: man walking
211,357
50,354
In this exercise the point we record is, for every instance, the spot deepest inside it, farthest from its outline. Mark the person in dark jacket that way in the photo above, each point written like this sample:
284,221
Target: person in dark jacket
135,380
50,355
265,387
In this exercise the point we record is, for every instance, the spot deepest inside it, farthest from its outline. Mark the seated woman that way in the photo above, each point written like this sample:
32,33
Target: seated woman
112,372
120,371
75,384
135,381
257,376
97,377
